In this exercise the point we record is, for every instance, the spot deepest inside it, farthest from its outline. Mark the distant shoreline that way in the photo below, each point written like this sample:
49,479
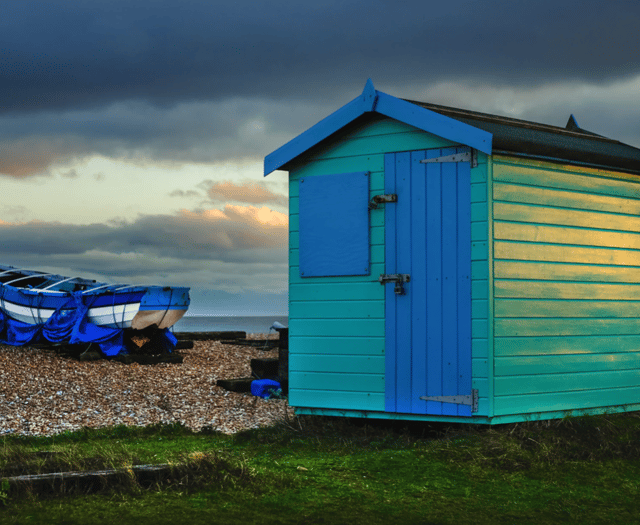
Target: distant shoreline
251,324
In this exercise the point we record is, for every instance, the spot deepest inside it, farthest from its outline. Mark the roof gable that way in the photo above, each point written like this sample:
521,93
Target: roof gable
373,101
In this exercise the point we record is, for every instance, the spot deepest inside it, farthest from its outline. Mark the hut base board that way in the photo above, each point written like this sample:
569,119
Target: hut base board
480,420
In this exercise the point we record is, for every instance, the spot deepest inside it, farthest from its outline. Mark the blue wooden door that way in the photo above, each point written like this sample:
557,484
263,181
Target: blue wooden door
428,329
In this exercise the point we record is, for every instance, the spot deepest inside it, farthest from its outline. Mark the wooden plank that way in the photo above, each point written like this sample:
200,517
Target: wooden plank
345,364
463,276
568,178
565,254
294,204
565,272
563,217
417,367
479,289
479,231
480,328
341,399
479,192
479,417
337,327
479,251
365,345
294,222
480,348
479,211
377,125
403,250
391,226
563,308
336,310
480,368
563,290
556,327
372,162
514,231
402,142
435,291
565,199
479,309
376,235
479,173
563,364
337,382
566,345
450,284
528,403
479,270
490,324
336,292
569,382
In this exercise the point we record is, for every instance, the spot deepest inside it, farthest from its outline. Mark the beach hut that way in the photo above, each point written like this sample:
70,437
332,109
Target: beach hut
449,265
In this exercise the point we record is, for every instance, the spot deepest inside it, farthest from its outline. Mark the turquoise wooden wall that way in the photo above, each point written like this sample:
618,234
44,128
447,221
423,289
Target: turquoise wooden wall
336,324
566,299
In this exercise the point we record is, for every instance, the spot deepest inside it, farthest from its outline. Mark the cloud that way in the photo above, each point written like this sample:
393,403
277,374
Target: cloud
87,54
610,109
183,193
250,192
135,131
235,234
71,174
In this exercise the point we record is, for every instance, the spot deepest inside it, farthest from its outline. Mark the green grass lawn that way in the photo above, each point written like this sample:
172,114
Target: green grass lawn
332,470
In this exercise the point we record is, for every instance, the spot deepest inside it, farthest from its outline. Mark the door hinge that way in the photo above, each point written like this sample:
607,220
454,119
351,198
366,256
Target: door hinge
470,155
381,199
470,400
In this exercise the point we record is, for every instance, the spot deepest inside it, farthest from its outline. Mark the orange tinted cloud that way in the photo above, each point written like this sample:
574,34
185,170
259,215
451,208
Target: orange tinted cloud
237,227
249,192
26,157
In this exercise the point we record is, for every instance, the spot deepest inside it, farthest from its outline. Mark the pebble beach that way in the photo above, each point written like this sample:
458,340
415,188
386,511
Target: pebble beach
45,393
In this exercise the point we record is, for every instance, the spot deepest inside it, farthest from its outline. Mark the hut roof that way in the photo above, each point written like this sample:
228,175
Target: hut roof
491,134
521,137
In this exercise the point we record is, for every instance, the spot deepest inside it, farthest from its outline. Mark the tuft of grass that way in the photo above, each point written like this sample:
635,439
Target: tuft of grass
337,470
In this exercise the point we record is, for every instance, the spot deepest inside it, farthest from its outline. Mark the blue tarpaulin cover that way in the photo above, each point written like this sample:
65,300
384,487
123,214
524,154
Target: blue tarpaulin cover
69,323
264,387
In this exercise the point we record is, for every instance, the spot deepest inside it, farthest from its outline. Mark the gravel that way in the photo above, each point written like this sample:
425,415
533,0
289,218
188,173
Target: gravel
44,393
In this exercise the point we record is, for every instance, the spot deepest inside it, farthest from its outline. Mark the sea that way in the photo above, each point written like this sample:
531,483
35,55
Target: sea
258,324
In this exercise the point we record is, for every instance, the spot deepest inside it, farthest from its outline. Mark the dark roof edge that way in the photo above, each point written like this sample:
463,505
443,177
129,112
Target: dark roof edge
530,139
467,114
570,162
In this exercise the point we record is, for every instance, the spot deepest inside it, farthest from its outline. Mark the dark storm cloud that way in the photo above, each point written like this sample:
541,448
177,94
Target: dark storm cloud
88,53
242,234
185,132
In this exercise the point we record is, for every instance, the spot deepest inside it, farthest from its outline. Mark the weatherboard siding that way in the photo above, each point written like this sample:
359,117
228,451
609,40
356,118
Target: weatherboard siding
336,324
480,305
566,294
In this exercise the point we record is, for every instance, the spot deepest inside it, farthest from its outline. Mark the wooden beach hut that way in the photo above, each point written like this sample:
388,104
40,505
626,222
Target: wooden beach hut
449,265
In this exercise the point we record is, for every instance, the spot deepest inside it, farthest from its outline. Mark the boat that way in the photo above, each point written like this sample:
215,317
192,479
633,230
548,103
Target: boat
36,305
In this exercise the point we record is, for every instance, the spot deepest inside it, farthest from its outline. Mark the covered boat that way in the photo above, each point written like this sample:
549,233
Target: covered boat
36,306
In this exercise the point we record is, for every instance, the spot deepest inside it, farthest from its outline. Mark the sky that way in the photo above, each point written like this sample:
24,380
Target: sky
132,134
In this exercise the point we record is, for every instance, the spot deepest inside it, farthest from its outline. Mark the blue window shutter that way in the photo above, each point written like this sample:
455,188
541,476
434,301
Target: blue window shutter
334,225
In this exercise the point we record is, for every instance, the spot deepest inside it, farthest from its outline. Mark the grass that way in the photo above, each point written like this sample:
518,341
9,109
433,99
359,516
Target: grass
333,470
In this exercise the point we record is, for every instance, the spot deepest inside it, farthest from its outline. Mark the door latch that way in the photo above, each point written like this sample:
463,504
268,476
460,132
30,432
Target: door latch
398,278
381,199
